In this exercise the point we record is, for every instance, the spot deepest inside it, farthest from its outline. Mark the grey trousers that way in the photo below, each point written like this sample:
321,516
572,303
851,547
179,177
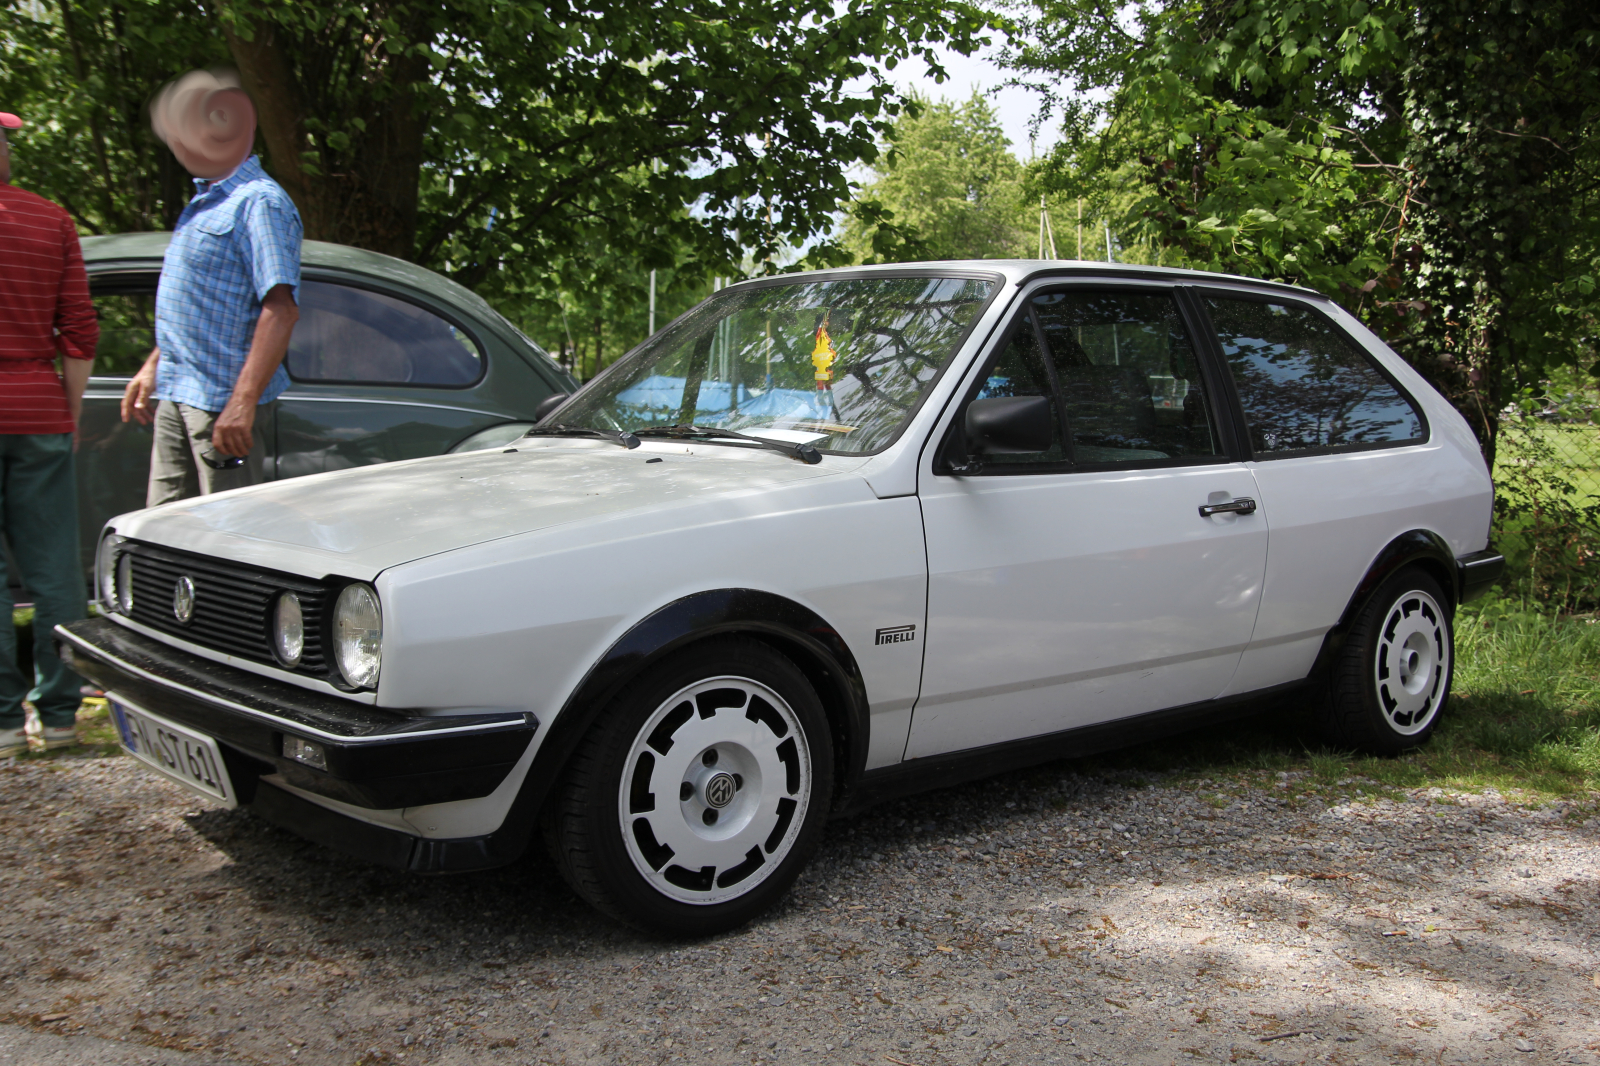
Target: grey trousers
178,467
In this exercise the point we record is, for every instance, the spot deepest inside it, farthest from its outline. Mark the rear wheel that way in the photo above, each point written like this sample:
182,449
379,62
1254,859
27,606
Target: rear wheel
695,801
1392,678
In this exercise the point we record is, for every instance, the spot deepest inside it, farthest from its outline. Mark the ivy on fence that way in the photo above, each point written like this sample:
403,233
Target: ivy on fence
1547,499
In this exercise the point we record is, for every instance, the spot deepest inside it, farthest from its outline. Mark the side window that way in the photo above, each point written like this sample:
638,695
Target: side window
1131,389
1020,371
352,335
127,331
1304,385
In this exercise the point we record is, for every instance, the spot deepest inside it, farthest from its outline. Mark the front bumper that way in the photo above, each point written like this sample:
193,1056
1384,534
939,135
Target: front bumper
377,759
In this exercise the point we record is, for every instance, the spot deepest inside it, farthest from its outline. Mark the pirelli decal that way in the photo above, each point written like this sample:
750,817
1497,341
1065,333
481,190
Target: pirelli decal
896,635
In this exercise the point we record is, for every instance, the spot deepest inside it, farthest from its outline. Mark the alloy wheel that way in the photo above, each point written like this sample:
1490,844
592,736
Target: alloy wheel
715,790
1412,662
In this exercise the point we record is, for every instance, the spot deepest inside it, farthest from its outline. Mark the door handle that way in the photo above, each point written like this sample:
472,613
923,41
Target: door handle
1242,505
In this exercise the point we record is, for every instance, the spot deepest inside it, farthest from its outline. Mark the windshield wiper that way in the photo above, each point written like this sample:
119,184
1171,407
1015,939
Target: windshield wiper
803,452
561,429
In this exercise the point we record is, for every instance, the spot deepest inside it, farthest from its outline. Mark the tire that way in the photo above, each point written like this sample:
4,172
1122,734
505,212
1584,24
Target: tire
1392,678
696,799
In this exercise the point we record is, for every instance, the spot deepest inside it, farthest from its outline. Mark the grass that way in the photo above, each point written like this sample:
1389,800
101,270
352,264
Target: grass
1525,719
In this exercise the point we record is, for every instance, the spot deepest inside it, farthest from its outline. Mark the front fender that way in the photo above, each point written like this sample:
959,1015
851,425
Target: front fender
810,641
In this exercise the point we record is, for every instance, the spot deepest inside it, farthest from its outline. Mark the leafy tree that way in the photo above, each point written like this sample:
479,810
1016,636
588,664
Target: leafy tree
548,155
1430,164
81,72
950,186
481,137
1502,101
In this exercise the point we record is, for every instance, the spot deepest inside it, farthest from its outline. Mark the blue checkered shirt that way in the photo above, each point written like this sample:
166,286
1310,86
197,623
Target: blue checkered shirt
237,239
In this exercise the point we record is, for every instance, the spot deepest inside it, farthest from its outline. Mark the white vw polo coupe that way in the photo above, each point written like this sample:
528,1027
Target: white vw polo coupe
827,538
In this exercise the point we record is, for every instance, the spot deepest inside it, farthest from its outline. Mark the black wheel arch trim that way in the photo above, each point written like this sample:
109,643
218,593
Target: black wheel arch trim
1415,546
797,631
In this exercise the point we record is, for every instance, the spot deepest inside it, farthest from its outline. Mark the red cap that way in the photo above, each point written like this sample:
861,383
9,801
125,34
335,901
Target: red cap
10,121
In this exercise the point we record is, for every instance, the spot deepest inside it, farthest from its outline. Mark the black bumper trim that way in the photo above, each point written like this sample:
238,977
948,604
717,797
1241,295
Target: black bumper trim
1478,571
362,840
376,844
377,759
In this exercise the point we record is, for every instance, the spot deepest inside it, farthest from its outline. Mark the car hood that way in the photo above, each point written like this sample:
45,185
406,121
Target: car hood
355,523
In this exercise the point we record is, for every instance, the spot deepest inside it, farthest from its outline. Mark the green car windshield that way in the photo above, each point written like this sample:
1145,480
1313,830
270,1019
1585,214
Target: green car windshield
838,364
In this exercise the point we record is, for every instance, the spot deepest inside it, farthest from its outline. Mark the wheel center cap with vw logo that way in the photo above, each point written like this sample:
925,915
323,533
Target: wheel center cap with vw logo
183,599
719,790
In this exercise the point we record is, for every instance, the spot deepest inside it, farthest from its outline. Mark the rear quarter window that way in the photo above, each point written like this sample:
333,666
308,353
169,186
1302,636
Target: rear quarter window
1304,385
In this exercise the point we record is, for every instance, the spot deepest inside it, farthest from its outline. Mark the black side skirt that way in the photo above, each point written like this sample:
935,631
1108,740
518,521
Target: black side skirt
937,771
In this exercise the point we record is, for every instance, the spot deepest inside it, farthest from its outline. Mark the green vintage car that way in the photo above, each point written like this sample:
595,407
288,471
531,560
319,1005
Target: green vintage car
388,361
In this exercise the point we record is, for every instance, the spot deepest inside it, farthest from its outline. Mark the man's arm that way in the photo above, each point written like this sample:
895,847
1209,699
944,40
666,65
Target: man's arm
136,397
75,378
232,432
77,326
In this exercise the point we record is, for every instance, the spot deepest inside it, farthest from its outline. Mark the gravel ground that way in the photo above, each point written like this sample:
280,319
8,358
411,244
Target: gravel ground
1046,917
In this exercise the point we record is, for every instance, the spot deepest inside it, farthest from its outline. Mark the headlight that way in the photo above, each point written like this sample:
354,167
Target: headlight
288,630
358,635
106,569
125,583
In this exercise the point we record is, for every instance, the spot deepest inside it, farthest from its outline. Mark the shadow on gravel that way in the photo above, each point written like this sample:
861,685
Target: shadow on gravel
489,920
497,918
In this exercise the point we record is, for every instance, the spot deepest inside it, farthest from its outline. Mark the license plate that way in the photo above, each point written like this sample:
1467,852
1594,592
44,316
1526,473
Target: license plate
191,759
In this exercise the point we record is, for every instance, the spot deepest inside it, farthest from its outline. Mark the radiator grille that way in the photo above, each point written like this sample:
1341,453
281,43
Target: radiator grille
232,604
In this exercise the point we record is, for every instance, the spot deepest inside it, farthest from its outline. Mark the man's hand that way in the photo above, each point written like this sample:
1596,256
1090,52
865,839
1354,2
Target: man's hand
231,433
136,397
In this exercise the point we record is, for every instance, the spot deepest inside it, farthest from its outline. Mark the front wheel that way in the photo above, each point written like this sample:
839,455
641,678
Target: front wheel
1392,678
697,798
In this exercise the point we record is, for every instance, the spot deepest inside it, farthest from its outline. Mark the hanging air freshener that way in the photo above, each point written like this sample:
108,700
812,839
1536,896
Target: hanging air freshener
823,355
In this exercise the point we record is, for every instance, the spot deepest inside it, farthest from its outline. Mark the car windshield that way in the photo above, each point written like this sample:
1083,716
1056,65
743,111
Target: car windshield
838,364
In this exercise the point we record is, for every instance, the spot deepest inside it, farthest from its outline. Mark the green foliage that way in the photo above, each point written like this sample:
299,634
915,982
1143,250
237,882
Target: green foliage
1241,121
80,74
526,149
1502,105
1432,166
1547,498
949,186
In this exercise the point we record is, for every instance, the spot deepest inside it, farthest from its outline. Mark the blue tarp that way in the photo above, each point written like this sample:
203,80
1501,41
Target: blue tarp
663,396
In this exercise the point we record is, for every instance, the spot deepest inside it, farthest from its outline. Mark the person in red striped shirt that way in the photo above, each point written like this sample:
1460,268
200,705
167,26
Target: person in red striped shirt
44,313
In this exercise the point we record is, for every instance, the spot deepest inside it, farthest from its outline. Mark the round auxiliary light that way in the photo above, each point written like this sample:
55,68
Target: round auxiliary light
288,630
358,635
107,568
125,583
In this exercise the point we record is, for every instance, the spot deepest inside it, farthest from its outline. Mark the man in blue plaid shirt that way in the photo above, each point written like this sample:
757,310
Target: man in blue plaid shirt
225,307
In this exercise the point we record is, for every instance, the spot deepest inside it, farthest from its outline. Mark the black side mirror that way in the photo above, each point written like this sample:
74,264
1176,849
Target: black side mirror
549,404
1009,425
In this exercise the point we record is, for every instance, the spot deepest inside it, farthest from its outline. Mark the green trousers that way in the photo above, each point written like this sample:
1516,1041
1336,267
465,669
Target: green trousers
39,516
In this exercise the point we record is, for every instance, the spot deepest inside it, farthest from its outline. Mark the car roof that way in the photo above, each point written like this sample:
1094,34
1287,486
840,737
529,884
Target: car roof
145,250
1020,271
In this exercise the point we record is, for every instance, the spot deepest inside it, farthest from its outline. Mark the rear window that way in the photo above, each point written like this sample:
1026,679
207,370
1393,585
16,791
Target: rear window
355,336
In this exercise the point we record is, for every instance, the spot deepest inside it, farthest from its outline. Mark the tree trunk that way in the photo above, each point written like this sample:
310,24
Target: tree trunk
355,181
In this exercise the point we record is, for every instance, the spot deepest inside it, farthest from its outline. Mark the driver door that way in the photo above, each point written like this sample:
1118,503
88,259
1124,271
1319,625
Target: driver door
1082,584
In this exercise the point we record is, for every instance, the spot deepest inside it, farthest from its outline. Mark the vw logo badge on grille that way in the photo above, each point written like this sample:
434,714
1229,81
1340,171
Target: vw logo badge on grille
183,599
719,790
